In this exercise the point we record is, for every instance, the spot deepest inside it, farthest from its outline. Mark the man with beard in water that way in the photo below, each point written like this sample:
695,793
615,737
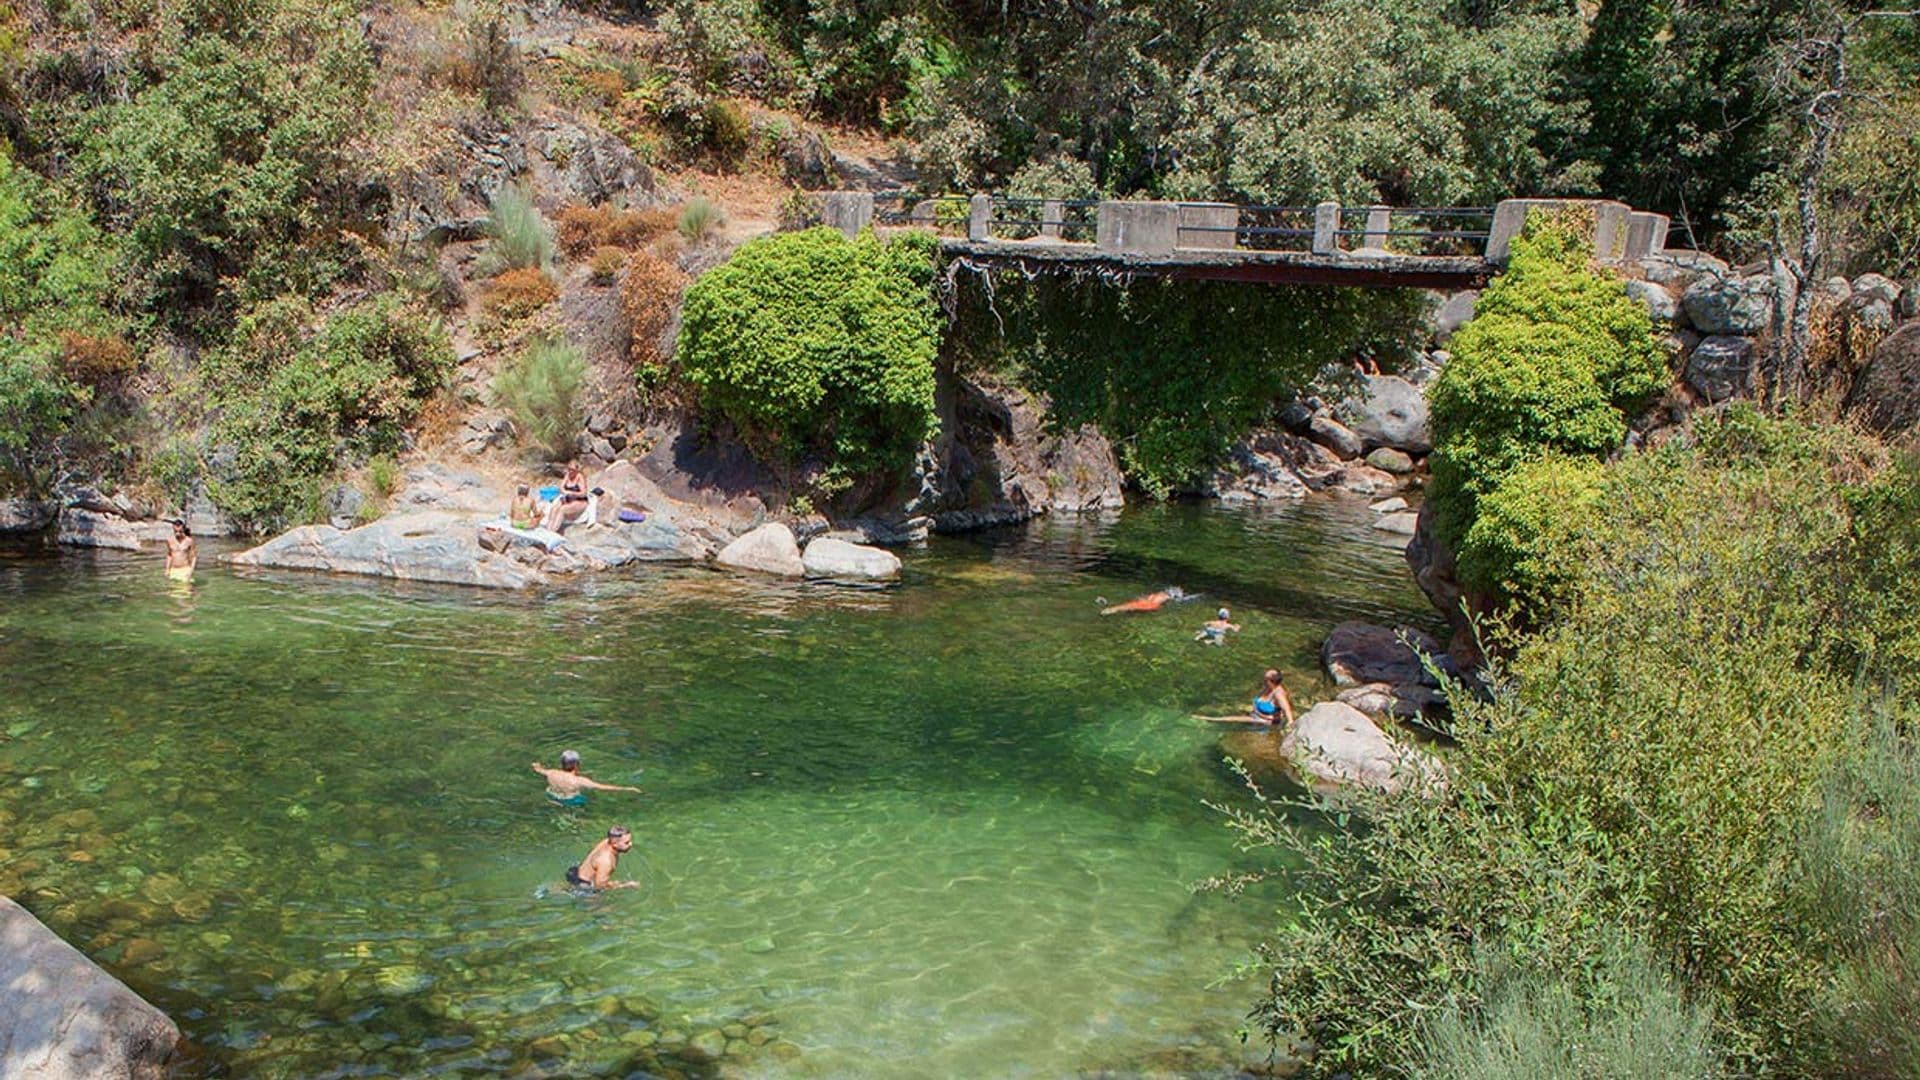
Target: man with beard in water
596,870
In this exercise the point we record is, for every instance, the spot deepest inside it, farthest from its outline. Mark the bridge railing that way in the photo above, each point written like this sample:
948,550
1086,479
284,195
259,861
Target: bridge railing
1158,229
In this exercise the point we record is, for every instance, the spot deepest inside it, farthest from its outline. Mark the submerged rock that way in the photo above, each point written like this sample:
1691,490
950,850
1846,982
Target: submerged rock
769,549
62,1017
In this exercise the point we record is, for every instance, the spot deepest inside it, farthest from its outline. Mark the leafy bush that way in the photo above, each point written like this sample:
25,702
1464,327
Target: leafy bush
580,230
489,65
1554,357
813,343
36,405
1621,1019
1650,757
648,296
542,391
699,218
1525,526
518,234
516,294
295,403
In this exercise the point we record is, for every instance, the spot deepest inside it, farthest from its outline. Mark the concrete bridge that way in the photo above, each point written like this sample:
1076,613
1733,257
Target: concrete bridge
1324,244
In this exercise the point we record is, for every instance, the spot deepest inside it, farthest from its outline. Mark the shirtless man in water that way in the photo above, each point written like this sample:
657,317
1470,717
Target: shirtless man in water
181,555
568,785
596,870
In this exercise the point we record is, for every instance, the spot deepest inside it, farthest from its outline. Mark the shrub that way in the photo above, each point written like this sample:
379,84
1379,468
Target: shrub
607,264
516,294
1518,543
798,211
36,405
813,343
542,391
699,218
294,403
517,233
93,360
580,230
649,295
489,64
1554,357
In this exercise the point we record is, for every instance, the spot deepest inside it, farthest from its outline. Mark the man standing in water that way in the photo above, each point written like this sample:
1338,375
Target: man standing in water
181,554
596,870
567,786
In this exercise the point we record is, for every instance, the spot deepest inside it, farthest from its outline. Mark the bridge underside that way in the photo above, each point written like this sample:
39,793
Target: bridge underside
1369,270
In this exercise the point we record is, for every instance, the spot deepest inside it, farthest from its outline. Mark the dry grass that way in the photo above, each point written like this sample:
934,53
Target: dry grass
581,230
516,294
649,295
95,360
607,264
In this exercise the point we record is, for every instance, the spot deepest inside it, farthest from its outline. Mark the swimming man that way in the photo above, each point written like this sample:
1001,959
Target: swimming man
596,870
567,786
1215,632
1153,601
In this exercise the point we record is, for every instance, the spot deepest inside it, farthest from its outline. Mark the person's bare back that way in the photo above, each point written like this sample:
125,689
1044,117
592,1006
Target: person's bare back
568,783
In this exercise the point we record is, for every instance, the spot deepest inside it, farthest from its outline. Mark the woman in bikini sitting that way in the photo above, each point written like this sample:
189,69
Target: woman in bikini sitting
572,501
1270,708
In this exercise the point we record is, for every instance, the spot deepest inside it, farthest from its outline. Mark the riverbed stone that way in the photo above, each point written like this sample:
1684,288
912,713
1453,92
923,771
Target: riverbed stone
1389,506
1402,523
1334,746
429,546
62,1018
79,527
769,549
1254,474
1389,460
1356,653
827,557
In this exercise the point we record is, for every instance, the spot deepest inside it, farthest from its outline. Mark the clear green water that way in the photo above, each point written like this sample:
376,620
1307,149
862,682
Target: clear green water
943,829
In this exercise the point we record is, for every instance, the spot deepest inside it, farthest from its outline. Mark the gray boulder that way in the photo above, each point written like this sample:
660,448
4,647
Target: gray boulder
1335,746
1389,460
1453,313
1362,479
1877,287
433,486
1356,653
1390,412
1336,437
62,1018
1253,475
769,549
1661,307
1403,523
1717,305
1870,313
1675,267
1886,395
26,515
90,528
1721,367
1389,506
831,558
1407,702
206,519
341,506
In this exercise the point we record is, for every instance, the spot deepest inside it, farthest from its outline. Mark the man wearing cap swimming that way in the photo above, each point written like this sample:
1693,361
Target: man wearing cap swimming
567,786
1215,631
596,870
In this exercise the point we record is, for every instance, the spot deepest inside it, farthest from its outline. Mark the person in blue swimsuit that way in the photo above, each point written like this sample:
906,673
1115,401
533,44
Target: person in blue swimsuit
1270,708
567,786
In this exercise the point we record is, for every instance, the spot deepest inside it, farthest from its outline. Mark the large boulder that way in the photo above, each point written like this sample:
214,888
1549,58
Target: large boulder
1334,746
91,528
430,546
1357,653
1453,313
1389,460
433,486
1336,437
1886,395
62,1018
1661,307
1731,305
1390,412
998,459
26,515
1679,268
769,549
1721,367
828,557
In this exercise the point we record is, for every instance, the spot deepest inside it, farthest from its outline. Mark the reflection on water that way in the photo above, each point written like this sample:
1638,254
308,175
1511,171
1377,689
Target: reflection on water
948,828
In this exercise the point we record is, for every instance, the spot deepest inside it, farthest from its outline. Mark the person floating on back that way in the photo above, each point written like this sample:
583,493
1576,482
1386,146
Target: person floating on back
568,786
1215,632
182,555
1153,601
596,870
1269,708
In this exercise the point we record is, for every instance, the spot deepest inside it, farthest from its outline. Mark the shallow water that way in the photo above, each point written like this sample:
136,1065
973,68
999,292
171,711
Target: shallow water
944,829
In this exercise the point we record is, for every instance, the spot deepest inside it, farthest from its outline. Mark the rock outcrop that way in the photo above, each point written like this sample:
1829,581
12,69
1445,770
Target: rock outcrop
62,1018
19,516
997,461
1358,653
769,549
1887,394
80,527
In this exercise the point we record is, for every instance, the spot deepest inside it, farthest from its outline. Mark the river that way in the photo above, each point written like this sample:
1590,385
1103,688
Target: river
950,828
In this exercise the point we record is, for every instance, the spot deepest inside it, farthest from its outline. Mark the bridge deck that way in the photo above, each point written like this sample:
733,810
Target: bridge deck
1366,269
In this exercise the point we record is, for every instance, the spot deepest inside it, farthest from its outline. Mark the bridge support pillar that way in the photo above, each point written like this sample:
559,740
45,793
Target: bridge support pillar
1138,228
1646,234
848,211
1326,228
980,218
1052,212
1606,220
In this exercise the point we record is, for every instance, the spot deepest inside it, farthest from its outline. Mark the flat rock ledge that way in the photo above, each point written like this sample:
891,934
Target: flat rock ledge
63,1018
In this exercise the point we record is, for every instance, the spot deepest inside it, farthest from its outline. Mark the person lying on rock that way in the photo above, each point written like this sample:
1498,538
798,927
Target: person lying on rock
572,501
568,786
1269,708
181,553
596,870
1153,601
1215,631
522,513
